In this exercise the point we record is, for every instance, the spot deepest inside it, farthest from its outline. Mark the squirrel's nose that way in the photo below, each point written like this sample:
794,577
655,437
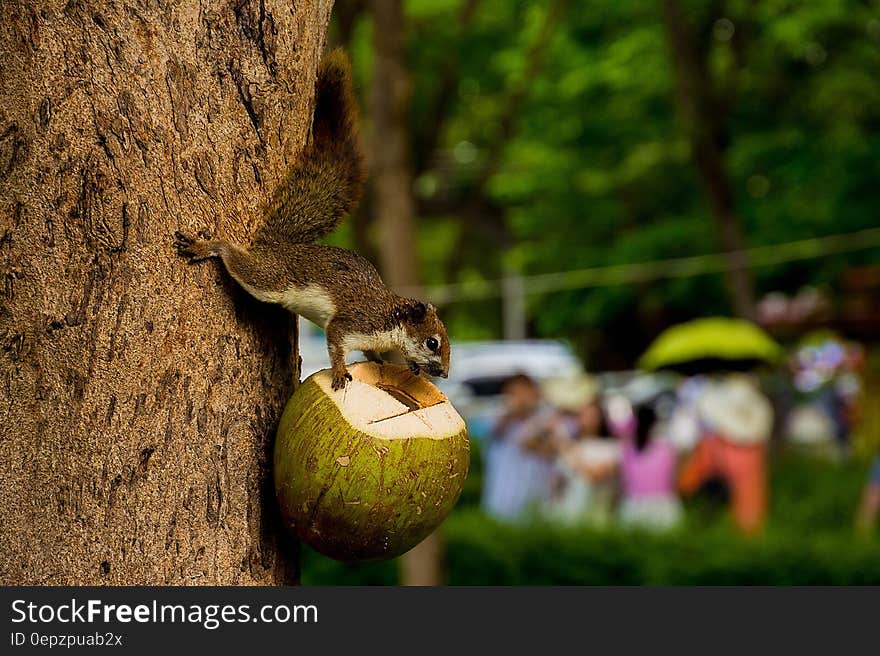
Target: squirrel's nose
444,374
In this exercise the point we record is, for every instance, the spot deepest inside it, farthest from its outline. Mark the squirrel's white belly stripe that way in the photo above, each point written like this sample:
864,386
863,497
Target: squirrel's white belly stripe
309,301
379,341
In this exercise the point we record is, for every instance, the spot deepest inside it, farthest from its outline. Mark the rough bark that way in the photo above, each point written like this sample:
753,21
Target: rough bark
704,114
139,394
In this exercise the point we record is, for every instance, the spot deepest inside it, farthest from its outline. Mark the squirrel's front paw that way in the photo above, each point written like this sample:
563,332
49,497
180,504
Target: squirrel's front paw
340,379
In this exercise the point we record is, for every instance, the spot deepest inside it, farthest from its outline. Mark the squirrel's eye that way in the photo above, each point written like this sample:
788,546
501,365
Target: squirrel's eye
432,344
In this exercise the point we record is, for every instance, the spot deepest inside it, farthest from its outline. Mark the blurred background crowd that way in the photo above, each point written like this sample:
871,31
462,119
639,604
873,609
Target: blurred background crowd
627,447
651,227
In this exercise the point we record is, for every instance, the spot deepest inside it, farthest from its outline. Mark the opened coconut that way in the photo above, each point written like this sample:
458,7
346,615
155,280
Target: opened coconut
369,471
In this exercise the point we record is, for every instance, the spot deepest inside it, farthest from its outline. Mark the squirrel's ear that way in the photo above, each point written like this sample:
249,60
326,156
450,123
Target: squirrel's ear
414,311
418,311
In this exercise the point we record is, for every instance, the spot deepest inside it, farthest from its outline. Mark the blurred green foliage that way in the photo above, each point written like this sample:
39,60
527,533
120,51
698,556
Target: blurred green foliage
569,152
809,540
586,162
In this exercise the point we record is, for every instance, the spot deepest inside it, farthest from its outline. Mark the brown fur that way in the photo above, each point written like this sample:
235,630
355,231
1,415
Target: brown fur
324,184
327,180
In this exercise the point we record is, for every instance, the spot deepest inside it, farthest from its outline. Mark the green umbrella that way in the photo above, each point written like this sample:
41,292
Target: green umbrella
711,344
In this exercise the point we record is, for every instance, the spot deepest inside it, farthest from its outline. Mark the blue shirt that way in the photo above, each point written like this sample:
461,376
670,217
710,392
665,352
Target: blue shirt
516,480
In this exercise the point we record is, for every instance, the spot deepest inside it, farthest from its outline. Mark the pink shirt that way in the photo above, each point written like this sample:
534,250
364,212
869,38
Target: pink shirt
649,472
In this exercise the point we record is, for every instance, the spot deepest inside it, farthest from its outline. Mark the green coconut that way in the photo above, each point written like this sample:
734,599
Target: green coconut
369,471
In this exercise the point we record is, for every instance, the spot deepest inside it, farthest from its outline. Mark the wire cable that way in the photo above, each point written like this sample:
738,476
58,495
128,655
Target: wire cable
680,267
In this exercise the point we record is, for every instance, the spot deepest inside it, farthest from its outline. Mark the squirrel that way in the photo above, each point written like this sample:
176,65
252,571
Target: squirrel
335,288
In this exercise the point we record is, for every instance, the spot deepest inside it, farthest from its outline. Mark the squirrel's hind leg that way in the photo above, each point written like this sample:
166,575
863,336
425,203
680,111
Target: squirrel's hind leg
196,249
258,275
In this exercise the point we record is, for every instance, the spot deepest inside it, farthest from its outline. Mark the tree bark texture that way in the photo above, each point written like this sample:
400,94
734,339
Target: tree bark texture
140,395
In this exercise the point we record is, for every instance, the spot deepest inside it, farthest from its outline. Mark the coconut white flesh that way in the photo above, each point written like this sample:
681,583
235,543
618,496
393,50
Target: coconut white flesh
390,402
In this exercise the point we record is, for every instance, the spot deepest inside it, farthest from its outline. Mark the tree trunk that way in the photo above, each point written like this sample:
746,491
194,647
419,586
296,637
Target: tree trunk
140,395
393,207
704,116
390,164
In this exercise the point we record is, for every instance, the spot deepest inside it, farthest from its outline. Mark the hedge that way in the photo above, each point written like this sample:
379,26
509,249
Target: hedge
809,540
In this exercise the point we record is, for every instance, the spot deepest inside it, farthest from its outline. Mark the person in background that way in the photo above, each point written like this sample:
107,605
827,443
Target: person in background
869,509
736,420
647,471
520,453
683,426
587,464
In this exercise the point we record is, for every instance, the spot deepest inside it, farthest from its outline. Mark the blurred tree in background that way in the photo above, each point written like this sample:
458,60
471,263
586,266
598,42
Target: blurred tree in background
550,136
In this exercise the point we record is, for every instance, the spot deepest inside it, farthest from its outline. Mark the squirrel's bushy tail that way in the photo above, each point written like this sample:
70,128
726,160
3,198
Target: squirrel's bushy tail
327,180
